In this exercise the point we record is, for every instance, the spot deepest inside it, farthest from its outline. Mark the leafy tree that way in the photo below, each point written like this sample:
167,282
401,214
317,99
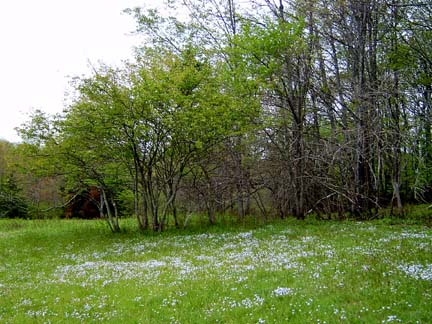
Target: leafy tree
12,202
302,106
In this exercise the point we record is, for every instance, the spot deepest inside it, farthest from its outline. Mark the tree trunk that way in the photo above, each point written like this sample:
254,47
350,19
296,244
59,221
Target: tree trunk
112,219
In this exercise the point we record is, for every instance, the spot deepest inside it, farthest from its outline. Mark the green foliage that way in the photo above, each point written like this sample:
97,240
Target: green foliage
12,202
263,48
401,58
320,104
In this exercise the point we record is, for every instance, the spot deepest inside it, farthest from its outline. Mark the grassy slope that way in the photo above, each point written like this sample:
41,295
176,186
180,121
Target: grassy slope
329,272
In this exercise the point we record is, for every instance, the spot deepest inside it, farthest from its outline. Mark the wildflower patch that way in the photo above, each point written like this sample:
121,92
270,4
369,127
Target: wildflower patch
274,274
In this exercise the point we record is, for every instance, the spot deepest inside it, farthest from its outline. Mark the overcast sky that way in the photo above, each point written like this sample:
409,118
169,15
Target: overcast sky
42,42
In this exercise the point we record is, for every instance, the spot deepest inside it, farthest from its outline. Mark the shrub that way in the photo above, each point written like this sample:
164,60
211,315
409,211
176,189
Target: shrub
12,203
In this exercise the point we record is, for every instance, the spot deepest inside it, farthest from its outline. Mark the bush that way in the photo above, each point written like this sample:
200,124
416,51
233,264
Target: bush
12,204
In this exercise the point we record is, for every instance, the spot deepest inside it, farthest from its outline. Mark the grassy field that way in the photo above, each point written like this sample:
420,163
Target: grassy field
286,272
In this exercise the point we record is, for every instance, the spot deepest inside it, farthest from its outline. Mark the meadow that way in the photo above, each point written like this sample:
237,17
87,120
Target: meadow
56,271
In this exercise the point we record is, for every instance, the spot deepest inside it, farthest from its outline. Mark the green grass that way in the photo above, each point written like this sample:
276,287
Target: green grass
287,272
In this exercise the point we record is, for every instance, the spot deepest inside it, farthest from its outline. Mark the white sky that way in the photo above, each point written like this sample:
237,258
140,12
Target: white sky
42,42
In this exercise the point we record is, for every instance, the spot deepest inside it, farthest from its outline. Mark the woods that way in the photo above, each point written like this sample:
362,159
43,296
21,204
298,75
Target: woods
270,108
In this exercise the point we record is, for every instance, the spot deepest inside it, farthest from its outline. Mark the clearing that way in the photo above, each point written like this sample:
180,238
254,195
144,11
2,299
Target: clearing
286,272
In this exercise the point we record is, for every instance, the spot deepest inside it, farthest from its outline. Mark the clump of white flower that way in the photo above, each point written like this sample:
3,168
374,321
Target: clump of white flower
391,318
245,235
282,291
417,271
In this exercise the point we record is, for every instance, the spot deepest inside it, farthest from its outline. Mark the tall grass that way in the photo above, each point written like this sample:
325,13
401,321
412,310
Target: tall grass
286,272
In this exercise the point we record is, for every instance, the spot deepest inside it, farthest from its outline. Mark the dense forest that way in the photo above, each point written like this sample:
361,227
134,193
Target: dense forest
262,107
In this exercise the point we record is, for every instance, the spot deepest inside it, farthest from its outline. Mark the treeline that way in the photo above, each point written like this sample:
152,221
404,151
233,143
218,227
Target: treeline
265,107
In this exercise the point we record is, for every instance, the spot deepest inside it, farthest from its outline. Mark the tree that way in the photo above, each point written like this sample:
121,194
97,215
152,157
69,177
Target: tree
12,201
305,106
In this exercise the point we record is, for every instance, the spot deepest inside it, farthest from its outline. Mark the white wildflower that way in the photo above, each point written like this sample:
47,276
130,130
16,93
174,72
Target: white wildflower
391,318
417,271
282,291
